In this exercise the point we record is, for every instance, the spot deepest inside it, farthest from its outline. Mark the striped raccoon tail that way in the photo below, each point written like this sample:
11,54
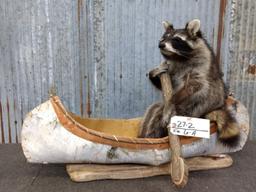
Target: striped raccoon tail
227,126
228,130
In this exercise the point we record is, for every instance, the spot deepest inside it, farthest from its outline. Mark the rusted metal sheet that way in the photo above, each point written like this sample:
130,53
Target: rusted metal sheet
252,69
222,11
97,53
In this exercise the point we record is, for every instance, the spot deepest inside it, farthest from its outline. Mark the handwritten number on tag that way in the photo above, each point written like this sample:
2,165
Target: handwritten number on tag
183,124
188,126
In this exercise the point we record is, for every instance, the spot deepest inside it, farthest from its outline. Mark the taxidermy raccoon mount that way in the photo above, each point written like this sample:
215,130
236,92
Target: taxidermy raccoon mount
198,87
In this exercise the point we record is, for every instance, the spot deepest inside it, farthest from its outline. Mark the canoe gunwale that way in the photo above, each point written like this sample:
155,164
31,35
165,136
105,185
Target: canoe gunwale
69,123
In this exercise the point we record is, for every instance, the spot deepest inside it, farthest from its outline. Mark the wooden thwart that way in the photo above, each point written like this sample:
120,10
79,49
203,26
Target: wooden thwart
91,172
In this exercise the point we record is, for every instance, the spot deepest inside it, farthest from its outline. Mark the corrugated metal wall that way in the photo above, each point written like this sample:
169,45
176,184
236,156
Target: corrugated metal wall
239,54
96,54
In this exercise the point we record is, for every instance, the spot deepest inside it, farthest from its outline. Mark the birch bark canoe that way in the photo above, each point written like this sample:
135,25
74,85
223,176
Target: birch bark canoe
51,134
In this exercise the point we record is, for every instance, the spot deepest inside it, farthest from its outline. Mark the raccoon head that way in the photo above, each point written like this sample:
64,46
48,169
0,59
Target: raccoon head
181,43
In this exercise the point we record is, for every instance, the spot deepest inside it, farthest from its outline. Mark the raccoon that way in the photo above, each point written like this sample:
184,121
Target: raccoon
198,87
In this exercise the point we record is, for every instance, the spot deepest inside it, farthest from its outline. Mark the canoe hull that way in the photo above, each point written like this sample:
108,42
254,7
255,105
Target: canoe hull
45,140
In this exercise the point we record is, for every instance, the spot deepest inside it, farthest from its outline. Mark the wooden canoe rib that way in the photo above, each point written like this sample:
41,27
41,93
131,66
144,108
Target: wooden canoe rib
52,134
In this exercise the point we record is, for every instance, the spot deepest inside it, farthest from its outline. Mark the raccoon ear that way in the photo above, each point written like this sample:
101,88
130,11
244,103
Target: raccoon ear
167,25
193,26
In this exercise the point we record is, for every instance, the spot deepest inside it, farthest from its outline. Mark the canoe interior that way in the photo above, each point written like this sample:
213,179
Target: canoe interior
114,132
122,127
118,127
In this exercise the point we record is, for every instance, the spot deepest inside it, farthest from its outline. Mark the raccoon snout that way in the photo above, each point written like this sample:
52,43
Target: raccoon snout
161,45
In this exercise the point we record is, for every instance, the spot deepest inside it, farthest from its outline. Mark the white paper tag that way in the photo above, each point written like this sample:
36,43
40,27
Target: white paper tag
188,126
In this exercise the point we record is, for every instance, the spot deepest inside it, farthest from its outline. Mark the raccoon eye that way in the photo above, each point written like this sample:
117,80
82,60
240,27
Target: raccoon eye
180,44
177,39
162,39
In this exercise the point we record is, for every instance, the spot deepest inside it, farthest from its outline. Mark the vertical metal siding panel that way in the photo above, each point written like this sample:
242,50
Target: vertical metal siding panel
24,10
148,48
119,59
2,47
11,98
125,53
128,53
226,42
2,77
139,55
8,82
7,95
62,34
242,48
155,19
214,27
9,42
89,45
77,70
97,68
82,57
4,102
110,59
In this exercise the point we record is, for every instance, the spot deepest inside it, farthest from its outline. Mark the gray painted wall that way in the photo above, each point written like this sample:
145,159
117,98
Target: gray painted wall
96,54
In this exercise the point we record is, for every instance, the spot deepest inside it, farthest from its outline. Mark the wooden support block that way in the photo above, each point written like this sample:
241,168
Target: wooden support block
91,172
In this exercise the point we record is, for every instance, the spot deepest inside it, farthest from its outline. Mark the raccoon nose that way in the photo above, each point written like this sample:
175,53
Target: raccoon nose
161,45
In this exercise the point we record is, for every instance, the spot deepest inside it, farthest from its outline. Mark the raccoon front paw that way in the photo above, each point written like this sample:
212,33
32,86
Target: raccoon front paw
155,72
163,67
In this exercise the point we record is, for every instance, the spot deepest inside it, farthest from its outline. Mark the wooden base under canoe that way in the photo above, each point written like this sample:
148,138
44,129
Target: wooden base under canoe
91,172
52,134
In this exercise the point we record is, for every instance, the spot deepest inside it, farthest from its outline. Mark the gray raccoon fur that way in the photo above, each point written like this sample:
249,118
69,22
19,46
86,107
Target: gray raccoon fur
198,87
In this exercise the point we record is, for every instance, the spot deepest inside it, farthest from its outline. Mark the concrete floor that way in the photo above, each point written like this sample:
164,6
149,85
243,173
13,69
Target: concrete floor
16,175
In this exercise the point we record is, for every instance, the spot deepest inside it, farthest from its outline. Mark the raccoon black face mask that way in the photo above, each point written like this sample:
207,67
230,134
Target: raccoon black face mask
198,87
180,43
